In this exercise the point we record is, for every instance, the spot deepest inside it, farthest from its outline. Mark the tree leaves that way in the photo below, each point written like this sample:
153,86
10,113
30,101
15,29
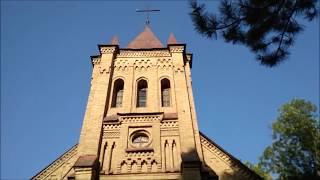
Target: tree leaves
259,170
294,153
268,28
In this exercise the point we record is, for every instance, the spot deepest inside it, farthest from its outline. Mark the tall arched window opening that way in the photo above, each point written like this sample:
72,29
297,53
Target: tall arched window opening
165,93
142,93
117,93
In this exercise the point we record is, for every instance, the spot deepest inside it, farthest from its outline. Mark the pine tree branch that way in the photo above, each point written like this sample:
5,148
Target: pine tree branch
285,28
231,24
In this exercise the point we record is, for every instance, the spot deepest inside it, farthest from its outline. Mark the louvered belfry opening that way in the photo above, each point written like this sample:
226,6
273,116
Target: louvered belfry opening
165,93
142,93
117,93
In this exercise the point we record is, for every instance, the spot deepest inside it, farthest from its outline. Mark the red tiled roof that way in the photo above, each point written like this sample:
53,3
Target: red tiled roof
145,40
172,39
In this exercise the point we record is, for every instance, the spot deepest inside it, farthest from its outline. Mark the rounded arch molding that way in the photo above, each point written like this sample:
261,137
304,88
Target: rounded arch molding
142,78
169,78
118,77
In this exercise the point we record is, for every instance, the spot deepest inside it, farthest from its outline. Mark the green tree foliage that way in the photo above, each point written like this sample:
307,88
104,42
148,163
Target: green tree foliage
294,153
267,27
259,170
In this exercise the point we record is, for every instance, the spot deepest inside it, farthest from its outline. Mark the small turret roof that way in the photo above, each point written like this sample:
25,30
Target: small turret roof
145,40
114,40
172,39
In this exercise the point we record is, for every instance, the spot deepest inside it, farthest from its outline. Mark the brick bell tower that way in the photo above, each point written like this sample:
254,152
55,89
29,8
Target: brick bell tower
140,116
140,120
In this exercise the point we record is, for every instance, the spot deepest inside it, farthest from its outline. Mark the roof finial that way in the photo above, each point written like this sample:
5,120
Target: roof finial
147,11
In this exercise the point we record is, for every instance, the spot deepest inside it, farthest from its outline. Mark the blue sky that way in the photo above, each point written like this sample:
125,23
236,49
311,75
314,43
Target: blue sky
46,71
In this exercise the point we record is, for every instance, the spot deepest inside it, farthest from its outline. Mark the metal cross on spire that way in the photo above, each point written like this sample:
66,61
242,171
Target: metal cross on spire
147,11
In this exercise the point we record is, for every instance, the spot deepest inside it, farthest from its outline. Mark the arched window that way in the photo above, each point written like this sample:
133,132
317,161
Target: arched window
165,93
117,93
142,93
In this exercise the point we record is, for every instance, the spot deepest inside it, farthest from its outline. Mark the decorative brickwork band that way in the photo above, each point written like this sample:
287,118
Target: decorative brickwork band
154,53
177,49
107,50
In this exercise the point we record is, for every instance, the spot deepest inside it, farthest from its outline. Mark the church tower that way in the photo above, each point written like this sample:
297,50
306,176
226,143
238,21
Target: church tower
140,120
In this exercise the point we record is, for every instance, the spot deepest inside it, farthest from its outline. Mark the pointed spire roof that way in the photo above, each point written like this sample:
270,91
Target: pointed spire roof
114,40
172,39
145,40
